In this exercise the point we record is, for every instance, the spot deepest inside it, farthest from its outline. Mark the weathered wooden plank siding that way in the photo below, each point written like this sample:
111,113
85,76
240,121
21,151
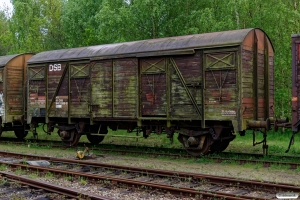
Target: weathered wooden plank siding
153,94
125,87
14,88
153,86
297,80
261,86
221,102
271,86
59,107
101,83
37,90
37,101
190,67
79,97
2,99
247,85
220,86
248,101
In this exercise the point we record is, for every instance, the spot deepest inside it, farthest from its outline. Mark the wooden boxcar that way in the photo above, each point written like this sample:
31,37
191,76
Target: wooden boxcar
295,82
12,93
205,87
295,87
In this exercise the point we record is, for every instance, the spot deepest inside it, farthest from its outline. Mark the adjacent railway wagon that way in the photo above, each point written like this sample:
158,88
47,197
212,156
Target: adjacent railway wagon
295,82
205,87
12,93
295,86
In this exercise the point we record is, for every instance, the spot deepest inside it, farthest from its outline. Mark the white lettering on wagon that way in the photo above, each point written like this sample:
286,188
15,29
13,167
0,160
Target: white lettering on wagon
228,113
61,102
54,67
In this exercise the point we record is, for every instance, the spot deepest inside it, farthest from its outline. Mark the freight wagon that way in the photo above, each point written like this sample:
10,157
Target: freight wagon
12,94
295,88
203,87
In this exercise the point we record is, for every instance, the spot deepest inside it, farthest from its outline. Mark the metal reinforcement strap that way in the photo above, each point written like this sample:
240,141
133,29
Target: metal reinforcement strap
185,87
57,88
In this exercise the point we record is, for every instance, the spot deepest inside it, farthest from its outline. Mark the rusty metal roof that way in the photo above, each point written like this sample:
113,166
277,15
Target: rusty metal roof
5,59
138,48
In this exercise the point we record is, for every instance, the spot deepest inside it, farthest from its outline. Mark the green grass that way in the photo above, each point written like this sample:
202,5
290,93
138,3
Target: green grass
3,167
277,141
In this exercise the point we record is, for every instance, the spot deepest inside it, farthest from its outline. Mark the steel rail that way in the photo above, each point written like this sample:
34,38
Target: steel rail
69,192
178,174
163,187
211,179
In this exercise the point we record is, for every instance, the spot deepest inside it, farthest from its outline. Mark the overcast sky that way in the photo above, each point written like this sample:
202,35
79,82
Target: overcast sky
4,4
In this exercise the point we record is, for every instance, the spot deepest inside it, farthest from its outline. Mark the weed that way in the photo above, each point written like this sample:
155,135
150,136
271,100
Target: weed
68,178
105,182
16,184
257,166
278,167
82,197
49,175
82,181
59,155
19,172
3,167
17,197
33,175
4,181
297,169
204,160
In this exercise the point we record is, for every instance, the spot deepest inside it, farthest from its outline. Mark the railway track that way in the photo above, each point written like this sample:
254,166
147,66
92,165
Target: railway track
232,157
18,187
175,182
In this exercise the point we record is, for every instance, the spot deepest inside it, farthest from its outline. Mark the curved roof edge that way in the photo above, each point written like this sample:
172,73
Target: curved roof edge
5,59
136,48
267,37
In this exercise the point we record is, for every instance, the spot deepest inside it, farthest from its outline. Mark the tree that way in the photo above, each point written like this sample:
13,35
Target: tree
79,22
36,26
5,34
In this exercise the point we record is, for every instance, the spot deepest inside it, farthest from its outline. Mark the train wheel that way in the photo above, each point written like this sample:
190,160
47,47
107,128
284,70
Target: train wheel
219,146
95,139
20,134
69,138
193,150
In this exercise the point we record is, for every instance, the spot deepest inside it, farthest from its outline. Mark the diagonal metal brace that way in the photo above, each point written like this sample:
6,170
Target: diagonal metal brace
186,88
57,88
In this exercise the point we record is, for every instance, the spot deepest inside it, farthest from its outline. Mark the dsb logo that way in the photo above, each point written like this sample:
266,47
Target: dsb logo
54,67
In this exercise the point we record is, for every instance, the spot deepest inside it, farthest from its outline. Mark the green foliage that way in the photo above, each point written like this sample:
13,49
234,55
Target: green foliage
5,34
35,25
3,167
79,22
38,25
